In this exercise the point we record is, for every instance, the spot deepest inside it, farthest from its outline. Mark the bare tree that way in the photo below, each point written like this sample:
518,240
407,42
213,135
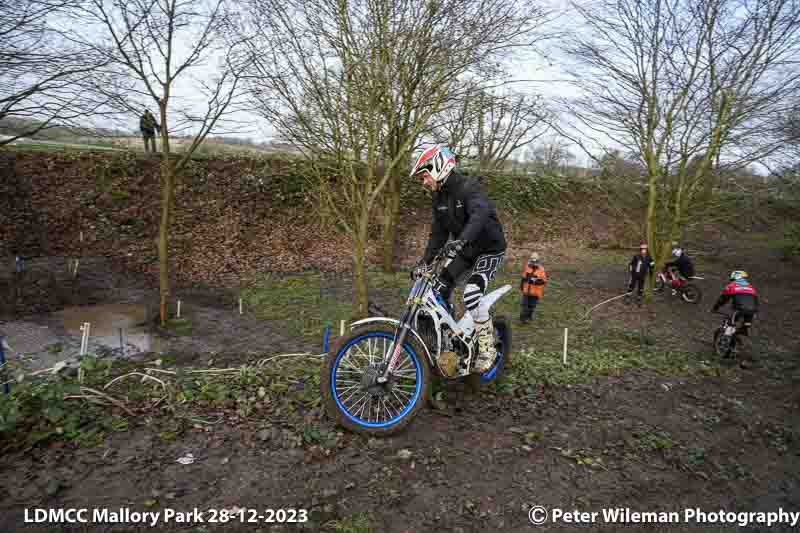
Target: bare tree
487,126
551,154
159,44
45,80
357,83
680,82
497,29
506,124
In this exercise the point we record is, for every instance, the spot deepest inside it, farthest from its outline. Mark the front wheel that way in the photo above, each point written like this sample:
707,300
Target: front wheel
691,294
351,393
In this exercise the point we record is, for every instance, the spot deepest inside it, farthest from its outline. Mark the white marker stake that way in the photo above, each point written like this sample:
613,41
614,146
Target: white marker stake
85,338
179,308
341,328
565,345
240,306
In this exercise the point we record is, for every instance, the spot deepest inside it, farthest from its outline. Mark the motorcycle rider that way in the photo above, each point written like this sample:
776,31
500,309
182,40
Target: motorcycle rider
681,263
744,298
463,211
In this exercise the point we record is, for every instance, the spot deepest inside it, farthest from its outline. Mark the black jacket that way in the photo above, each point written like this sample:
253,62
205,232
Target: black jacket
148,124
462,209
683,264
641,266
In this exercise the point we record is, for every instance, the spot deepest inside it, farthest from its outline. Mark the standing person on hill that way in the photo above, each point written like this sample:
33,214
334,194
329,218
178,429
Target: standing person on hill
148,127
640,266
532,285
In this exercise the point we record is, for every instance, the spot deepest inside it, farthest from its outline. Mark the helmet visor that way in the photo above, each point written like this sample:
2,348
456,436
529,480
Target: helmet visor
424,171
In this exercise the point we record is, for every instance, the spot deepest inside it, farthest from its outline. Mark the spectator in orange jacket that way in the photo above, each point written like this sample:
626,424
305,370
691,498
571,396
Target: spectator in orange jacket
532,285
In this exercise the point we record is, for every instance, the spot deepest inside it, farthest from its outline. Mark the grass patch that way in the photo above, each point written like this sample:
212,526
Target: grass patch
120,196
55,348
548,368
655,441
606,257
790,244
180,326
306,303
358,523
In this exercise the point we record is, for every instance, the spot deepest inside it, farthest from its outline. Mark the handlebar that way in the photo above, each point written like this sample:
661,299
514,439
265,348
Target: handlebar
438,263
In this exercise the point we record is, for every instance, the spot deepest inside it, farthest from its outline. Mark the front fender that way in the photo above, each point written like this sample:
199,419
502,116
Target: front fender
396,323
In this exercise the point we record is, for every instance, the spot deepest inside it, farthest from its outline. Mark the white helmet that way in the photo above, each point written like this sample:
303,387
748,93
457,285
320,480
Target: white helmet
437,161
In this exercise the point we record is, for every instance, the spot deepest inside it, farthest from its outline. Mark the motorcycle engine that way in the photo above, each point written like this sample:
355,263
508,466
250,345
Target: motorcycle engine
448,363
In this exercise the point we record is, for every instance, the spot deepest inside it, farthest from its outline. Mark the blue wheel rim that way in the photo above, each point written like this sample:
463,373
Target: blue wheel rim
411,403
490,374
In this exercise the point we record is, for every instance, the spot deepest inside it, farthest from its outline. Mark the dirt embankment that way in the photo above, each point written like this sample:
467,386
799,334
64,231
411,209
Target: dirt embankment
233,220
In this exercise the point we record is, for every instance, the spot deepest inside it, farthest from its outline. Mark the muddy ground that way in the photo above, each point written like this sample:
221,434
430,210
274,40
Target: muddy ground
635,438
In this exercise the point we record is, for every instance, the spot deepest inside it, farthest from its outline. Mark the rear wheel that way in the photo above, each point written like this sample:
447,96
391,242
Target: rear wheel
691,294
723,344
502,338
353,397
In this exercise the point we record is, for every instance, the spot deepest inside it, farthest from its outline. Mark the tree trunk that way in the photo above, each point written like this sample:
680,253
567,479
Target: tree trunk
651,224
391,220
167,186
360,267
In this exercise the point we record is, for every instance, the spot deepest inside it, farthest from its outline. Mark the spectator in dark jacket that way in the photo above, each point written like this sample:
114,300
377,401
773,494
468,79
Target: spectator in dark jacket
640,266
148,127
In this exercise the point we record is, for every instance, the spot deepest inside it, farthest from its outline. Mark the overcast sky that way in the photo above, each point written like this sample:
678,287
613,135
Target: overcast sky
537,71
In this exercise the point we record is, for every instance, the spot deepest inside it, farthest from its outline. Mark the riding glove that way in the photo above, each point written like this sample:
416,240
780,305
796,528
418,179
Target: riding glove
452,248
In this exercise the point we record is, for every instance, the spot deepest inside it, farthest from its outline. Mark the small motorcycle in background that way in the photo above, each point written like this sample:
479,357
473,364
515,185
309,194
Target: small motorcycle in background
688,291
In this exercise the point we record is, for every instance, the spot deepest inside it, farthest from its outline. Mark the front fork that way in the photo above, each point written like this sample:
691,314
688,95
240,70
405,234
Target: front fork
397,345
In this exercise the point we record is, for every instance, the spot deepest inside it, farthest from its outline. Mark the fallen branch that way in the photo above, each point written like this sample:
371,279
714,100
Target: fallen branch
170,372
88,397
201,421
202,371
155,404
262,362
111,399
215,370
605,302
144,377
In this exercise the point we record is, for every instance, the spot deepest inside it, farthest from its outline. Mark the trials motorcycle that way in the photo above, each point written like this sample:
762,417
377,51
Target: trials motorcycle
377,379
726,336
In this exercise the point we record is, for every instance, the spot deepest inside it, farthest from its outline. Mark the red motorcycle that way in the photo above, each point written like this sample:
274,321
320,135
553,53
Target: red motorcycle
680,287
